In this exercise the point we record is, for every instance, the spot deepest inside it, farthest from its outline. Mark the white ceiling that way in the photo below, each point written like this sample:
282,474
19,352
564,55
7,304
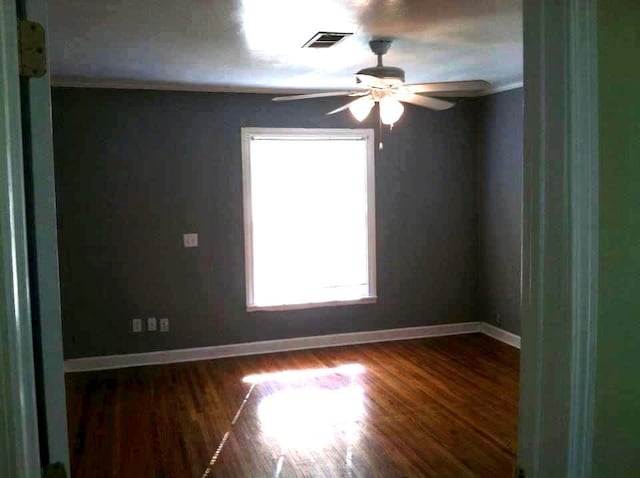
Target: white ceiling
256,44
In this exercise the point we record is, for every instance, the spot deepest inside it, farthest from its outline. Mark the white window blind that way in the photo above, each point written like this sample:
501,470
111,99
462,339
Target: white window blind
309,217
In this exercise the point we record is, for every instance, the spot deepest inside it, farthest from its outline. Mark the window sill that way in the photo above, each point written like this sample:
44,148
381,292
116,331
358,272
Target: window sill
312,305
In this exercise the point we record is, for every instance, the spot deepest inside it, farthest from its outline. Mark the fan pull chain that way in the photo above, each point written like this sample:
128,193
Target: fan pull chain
380,130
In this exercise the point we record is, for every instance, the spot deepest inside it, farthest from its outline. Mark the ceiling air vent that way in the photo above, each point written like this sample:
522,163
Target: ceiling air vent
325,39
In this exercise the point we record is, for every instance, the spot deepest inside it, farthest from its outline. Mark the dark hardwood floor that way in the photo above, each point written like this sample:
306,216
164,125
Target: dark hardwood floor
442,407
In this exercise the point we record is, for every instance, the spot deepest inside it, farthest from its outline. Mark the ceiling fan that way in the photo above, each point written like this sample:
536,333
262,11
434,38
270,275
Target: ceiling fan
385,85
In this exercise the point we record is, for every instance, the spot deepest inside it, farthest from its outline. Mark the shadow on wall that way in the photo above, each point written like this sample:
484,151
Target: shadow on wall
500,160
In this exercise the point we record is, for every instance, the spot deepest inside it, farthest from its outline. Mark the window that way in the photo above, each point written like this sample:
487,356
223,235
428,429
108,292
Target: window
309,217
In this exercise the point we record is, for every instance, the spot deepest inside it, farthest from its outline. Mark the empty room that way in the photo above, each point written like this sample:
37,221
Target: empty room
289,236
319,238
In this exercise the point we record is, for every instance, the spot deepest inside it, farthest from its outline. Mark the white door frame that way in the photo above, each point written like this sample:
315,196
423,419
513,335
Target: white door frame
43,254
19,447
559,247
560,238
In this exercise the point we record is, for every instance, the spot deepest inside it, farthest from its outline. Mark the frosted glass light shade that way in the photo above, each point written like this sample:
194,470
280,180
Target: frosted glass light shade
390,110
361,108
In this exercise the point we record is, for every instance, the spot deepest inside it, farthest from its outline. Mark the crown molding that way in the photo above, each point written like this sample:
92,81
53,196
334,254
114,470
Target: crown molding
499,89
121,84
116,84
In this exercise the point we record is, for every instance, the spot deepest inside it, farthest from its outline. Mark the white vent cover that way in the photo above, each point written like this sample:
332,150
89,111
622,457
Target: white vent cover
325,39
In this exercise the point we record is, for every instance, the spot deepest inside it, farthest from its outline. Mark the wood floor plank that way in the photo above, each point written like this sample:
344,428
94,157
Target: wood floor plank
426,408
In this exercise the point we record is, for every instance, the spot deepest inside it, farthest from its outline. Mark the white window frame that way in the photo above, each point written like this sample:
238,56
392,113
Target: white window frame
312,133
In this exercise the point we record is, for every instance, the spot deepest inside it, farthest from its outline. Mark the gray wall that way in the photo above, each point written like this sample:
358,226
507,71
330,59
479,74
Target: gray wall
500,159
136,169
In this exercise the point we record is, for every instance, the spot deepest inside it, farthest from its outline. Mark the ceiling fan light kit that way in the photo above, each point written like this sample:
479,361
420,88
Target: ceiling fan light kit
390,110
385,85
361,108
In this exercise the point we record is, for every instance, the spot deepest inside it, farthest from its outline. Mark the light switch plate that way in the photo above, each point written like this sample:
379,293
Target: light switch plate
136,325
152,324
190,239
164,325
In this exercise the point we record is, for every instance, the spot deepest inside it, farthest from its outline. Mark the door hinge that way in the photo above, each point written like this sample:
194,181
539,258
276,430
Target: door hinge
33,53
55,470
518,472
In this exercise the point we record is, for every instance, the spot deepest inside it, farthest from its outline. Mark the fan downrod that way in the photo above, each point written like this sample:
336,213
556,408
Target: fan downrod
389,73
380,47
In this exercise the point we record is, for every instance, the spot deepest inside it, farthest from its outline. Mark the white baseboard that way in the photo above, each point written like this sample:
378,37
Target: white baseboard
270,346
500,334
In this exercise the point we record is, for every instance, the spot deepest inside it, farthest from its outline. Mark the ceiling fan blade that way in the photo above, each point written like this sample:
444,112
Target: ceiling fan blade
320,95
344,107
450,88
425,101
371,81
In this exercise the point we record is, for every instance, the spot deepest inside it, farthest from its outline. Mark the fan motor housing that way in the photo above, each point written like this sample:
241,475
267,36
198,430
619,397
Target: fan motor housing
384,72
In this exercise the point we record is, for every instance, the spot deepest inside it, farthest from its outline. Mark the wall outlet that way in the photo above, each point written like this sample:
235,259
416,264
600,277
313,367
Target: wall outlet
164,325
190,240
152,324
136,325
